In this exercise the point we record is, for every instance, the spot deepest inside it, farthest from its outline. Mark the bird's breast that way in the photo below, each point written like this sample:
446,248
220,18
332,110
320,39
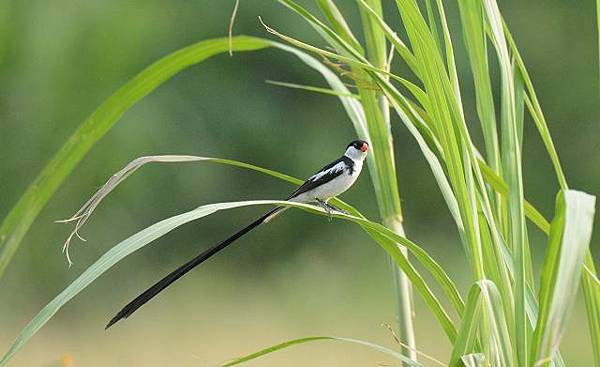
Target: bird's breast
336,186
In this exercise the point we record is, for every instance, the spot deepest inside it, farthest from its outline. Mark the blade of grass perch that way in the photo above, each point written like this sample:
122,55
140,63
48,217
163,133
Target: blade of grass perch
436,271
563,263
278,347
24,212
85,212
159,229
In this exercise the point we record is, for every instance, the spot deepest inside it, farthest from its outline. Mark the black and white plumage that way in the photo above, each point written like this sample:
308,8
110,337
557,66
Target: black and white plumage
328,182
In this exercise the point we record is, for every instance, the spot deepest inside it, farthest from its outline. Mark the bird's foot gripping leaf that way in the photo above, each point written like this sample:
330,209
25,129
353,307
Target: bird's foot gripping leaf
330,208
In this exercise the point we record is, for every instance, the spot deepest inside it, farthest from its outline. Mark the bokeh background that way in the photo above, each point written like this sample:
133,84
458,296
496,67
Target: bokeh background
300,276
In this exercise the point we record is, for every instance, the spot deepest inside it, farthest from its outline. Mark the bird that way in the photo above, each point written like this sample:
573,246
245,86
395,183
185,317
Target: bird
330,181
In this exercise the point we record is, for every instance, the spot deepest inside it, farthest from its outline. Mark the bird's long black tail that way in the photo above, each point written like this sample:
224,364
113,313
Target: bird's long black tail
132,306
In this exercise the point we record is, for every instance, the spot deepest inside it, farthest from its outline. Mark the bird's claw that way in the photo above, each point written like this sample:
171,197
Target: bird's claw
325,207
342,211
330,209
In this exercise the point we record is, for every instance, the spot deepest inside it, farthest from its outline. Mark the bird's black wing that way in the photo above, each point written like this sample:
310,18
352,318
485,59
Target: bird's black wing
324,175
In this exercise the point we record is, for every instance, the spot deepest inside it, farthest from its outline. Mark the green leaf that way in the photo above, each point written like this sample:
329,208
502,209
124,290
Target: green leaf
293,342
21,216
568,243
310,88
471,16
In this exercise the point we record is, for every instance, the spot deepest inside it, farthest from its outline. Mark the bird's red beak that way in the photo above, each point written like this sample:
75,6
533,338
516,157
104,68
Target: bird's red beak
364,147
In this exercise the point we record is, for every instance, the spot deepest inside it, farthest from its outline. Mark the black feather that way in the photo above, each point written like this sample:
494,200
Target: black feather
140,300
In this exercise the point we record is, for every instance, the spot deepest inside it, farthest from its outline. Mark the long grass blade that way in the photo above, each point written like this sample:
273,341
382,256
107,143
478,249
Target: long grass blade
475,44
290,343
159,229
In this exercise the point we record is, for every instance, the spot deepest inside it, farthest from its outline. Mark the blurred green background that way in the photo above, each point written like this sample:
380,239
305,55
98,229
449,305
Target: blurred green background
299,276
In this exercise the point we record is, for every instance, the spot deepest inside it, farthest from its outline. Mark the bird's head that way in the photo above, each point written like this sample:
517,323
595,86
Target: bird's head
357,150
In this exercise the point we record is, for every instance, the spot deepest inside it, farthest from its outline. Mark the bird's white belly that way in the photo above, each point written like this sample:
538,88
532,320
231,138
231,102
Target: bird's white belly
332,188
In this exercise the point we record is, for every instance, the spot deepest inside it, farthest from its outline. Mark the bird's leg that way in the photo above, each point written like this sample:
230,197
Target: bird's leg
330,208
325,206
338,209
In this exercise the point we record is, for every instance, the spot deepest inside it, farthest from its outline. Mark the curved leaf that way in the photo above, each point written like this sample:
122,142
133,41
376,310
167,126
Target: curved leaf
293,342
568,244
159,229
